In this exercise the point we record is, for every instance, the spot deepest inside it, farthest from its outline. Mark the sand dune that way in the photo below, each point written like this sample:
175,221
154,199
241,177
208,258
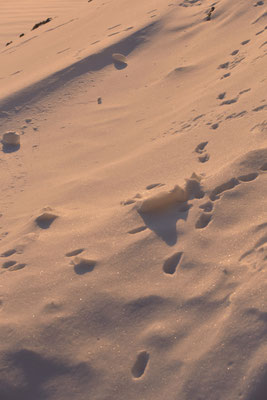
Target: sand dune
133,213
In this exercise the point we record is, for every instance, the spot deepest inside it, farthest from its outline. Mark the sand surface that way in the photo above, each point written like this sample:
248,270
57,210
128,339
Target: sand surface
133,207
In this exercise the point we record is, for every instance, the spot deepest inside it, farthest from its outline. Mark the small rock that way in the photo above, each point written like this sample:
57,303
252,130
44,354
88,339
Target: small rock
11,138
99,100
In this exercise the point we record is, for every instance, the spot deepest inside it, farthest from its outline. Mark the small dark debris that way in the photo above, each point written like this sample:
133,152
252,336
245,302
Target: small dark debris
8,43
99,100
22,34
41,23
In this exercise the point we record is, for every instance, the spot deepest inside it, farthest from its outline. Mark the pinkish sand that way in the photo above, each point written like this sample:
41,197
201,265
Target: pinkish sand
133,213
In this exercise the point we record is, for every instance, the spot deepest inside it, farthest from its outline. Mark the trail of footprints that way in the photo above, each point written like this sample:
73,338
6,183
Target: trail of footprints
172,262
201,149
11,265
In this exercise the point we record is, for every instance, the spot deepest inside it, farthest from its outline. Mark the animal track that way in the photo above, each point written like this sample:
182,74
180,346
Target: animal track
226,75
245,91
222,188
207,207
231,101
214,126
201,150
45,220
236,115
8,253
224,65
200,147
74,252
203,221
140,364
221,96
113,27
83,265
256,257
153,185
171,263
204,158
8,264
12,265
249,177
260,108
245,42
16,267
137,230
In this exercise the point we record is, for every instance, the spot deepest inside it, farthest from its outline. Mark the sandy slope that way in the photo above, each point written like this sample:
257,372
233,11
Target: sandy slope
113,284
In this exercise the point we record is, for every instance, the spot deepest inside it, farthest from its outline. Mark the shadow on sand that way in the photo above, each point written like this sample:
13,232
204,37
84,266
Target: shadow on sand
164,223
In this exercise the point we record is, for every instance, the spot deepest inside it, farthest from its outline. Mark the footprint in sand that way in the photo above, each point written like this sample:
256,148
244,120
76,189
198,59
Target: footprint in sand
248,177
230,101
245,91
12,265
17,267
46,218
234,52
236,115
203,221
137,230
200,147
154,185
83,265
256,257
114,33
207,207
260,108
224,65
113,27
259,128
171,263
215,194
8,253
226,75
74,252
214,126
221,96
9,263
140,364
204,158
